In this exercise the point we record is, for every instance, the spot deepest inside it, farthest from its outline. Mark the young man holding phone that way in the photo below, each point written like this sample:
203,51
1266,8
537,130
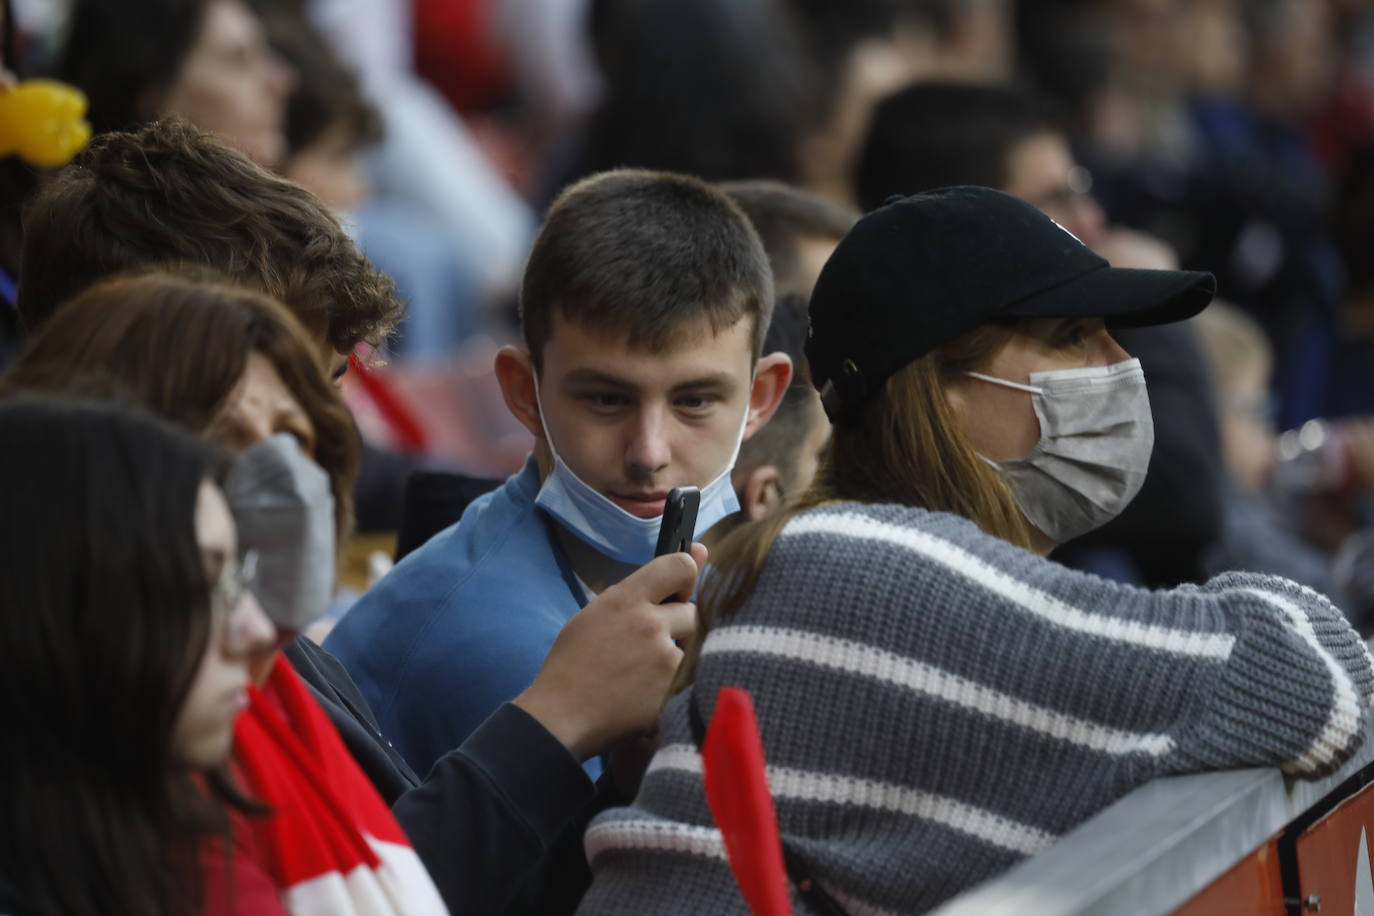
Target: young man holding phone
643,307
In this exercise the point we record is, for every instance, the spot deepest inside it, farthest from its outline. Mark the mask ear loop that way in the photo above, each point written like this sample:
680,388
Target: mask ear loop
543,421
1033,389
553,450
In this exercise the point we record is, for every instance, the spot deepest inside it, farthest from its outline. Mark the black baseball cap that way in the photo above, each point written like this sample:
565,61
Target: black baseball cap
924,270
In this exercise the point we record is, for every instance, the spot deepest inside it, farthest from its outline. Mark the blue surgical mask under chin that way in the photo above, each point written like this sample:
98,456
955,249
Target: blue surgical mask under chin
617,534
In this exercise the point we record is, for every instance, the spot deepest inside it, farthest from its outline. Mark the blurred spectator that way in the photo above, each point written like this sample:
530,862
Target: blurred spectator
1264,527
858,52
428,158
714,88
1194,119
936,134
209,61
328,127
798,229
328,124
1349,377
206,60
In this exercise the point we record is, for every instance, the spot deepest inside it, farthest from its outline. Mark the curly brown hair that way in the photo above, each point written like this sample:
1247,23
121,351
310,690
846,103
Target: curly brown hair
178,345
173,193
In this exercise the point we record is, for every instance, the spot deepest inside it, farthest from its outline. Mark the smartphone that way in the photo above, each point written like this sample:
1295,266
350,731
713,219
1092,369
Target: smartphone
679,521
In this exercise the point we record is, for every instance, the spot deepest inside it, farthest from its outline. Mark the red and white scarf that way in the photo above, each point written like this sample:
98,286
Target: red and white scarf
330,843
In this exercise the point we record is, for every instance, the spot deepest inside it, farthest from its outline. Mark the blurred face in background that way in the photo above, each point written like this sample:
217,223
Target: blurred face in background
1247,425
331,168
1292,64
1217,48
233,85
1042,172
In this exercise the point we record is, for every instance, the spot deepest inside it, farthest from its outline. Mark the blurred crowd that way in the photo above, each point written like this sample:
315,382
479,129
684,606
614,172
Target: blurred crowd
300,299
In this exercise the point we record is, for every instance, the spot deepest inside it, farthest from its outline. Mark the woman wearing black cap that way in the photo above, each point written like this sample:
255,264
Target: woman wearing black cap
938,700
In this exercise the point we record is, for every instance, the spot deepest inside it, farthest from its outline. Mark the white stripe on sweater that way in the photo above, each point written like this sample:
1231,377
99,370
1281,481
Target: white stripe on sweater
686,839
1314,595
881,665
1343,721
786,783
1047,607
654,836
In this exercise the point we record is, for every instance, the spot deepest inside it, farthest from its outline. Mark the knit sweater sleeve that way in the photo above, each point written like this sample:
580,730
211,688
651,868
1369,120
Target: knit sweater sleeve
1246,670
937,704
1295,690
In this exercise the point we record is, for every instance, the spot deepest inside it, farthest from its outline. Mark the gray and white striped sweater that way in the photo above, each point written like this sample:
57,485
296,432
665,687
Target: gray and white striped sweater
937,704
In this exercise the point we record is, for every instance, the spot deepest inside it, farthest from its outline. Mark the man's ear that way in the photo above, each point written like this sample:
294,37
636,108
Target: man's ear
772,375
515,375
761,491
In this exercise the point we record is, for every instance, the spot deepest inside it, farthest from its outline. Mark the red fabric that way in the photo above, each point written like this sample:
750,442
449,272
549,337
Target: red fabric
405,426
455,52
237,886
737,791
323,806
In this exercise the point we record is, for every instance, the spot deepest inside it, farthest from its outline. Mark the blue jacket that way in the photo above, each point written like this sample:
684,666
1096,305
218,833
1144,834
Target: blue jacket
462,624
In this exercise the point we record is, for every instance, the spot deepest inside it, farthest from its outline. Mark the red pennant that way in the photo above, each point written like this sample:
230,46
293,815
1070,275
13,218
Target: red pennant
737,791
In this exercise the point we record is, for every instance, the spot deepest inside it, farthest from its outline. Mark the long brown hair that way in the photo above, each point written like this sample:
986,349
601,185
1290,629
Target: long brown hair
178,344
908,447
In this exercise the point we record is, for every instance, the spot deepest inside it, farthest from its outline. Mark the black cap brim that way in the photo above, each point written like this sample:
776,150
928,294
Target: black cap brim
1125,297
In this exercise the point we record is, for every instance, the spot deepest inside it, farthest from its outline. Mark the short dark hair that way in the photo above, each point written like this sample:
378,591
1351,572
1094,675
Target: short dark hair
178,345
173,193
123,54
782,214
777,443
933,135
643,253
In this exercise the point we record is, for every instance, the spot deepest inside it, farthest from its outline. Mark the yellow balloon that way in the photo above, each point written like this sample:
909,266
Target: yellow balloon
43,121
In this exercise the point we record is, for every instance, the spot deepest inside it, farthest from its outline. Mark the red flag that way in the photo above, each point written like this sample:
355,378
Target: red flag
404,424
737,791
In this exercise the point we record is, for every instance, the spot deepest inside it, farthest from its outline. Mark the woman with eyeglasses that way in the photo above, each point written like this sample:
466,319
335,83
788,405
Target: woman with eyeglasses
126,635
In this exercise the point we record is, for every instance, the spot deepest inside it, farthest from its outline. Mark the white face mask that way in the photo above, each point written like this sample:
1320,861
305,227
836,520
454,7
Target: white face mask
284,509
594,518
1096,437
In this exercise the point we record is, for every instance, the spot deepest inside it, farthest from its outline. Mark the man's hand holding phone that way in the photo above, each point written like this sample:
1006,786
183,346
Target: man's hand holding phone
612,663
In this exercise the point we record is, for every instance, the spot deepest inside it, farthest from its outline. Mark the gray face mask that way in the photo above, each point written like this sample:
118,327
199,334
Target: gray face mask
284,509
1096,436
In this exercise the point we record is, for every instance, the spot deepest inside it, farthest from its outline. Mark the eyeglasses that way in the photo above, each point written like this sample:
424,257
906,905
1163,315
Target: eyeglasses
234,582
1077,183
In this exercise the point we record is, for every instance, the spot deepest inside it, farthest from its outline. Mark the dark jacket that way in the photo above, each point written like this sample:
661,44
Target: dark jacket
498,821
